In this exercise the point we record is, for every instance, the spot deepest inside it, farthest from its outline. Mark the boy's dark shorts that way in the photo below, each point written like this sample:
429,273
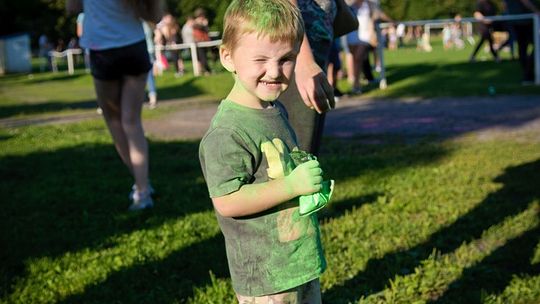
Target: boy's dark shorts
113,64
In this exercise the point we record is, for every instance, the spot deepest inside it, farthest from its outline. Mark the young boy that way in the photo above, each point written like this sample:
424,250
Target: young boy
274,253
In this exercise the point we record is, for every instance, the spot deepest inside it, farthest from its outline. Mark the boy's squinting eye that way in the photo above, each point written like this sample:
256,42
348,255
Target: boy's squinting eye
287,59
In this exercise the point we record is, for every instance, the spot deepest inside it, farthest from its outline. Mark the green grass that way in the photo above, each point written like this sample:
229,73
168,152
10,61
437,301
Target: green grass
412,221
410,73
428,222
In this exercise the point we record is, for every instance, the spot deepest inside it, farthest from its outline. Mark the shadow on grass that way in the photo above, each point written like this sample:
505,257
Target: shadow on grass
457,79
46,107
41,77
75,198
338,209
171,280
187,88
493,274
520,188
70,199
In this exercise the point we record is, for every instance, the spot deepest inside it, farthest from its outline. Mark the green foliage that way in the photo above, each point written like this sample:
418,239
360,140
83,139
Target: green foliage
429,9
49,17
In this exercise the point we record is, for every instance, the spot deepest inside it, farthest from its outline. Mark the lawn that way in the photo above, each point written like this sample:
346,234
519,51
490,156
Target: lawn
410,73
428,220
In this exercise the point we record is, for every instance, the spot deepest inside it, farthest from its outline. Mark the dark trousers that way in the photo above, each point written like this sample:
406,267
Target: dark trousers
524,37
306,123
485,33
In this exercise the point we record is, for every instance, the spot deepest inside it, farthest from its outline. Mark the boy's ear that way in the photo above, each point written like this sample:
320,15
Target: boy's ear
225,56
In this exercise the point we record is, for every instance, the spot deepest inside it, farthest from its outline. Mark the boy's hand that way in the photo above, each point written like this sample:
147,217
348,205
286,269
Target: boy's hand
306,178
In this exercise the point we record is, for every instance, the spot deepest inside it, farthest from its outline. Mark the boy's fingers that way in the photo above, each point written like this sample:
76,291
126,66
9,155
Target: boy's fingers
316,171
312,163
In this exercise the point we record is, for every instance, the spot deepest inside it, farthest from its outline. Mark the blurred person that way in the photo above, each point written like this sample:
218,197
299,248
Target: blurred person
485,8
400,33
167,33
60,45
334,66
187,34
353,55
86,51
119,65
200,34
44,49
368,13
392,38
524,36
73,43
310,96
511,35
150,81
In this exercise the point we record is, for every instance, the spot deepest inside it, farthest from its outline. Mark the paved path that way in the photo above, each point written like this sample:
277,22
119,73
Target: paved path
448,117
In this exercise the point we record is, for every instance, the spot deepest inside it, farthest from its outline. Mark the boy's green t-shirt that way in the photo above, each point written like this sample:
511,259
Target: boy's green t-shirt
277,249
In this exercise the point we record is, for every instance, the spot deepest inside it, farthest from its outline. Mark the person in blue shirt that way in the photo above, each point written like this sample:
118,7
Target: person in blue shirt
119,64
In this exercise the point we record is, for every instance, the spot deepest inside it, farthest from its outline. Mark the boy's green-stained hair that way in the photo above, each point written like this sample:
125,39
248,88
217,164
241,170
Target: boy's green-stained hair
278,20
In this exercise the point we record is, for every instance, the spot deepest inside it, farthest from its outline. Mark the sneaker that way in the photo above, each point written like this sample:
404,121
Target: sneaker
141,201
134,189
99,111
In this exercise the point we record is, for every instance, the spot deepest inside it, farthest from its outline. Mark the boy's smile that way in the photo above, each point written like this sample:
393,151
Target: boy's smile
263,69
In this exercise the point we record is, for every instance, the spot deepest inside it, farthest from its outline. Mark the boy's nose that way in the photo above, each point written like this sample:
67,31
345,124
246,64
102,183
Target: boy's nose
273,70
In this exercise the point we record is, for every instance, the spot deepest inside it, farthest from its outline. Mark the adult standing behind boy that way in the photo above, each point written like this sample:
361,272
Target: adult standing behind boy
524,35
274,254
119,63
311,95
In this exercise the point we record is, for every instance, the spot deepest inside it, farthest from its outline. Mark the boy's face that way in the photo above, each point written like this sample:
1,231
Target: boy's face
263,68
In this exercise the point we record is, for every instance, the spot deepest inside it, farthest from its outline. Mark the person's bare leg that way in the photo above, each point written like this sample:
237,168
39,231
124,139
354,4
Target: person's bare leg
108,98
132,100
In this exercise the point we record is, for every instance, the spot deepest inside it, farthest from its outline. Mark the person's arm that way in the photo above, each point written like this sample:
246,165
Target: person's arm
254,198
311,81
74,6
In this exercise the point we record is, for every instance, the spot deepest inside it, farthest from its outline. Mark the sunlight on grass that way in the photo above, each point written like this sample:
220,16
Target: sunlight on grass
71,273
431,280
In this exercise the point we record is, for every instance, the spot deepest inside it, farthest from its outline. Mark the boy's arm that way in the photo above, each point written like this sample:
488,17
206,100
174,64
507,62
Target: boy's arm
255,198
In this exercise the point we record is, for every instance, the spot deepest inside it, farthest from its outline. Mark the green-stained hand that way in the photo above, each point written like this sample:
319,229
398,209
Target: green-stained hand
315,200
306,178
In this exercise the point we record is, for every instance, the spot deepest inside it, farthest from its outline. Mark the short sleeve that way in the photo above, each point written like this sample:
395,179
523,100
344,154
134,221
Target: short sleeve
226,161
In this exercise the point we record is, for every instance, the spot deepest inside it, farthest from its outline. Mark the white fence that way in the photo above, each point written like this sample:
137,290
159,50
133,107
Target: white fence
193,47
69,54
536,31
